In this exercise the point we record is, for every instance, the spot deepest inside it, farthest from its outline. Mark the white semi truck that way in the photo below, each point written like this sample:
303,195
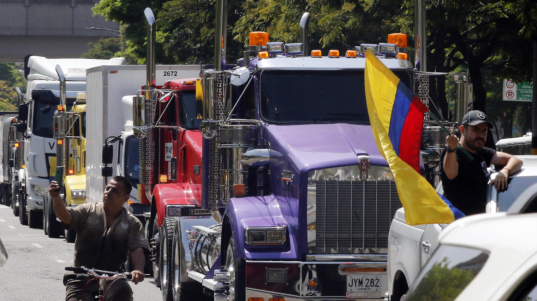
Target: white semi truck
42,99
6,150
110,90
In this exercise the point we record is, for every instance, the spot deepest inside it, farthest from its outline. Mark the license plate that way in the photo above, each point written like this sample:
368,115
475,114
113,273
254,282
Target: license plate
365,286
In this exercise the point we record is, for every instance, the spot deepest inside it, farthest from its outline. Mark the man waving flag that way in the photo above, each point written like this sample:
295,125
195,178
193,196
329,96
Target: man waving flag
396,116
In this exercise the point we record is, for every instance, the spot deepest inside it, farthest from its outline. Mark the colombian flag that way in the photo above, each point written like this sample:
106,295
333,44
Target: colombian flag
396,116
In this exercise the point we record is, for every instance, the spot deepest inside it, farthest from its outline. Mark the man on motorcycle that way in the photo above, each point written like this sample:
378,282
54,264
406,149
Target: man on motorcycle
106,233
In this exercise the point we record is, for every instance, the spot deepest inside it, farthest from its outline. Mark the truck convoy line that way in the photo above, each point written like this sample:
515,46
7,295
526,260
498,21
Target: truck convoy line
42,99
255,181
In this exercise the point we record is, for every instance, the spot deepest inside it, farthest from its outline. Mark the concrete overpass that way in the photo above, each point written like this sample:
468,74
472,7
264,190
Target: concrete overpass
49,28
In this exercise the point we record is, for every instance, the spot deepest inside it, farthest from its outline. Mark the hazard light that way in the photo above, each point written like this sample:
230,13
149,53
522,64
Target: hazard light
402,56
60,141
351,54
23,165
333,53
14,120
258,38
263,54
163,179
60,108
316,53
16,144
188,82
71,172
399,39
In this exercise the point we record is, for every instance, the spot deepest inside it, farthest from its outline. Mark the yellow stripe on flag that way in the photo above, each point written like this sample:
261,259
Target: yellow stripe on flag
421,202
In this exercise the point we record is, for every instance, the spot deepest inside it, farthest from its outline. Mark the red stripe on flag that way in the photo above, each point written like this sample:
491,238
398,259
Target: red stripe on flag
411,135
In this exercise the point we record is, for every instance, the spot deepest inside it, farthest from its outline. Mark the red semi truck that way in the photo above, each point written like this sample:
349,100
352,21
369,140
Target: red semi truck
173,168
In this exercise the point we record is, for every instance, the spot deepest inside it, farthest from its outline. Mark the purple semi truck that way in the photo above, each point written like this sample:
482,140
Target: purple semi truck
297,201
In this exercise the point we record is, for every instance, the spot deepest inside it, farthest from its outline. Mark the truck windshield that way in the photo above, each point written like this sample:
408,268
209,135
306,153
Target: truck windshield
42,119
315,96
132,162
187,115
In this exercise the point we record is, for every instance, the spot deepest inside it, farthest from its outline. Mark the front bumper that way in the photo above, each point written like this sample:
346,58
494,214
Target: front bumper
331,277
33,201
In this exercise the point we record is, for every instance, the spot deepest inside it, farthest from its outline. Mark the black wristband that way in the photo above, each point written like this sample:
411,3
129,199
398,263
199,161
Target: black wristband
449,150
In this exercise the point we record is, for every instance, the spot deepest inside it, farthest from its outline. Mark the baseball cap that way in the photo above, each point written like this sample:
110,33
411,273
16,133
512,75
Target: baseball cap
475,117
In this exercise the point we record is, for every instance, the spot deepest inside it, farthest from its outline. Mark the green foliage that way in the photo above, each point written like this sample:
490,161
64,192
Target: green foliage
103,49
10,78
441,283
491,39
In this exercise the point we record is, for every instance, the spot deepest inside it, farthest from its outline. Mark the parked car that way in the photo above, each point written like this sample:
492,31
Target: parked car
483,257
410,247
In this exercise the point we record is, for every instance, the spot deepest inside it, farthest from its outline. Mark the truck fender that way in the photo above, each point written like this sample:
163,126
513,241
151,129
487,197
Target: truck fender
171,194
242,213
404,247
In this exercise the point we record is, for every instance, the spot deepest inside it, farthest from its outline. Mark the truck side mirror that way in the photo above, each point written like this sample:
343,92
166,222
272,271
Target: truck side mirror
21,127
138,110
11,163
23,112
108,153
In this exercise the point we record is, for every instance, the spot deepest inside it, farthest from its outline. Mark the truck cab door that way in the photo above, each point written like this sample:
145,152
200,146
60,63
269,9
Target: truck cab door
429,242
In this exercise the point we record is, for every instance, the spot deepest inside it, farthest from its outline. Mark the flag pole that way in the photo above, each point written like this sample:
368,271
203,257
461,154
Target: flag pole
449,134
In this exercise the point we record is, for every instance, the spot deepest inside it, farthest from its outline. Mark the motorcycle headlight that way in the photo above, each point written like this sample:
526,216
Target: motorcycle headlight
38,190
259,236
78,193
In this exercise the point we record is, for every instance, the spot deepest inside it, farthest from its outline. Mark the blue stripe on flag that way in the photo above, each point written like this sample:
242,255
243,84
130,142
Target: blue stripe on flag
401,105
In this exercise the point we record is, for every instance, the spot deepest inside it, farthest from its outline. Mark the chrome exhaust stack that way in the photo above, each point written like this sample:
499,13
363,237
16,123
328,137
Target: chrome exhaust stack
304,33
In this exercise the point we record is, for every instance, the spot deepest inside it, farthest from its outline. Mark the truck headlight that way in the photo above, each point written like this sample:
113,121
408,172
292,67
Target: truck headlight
259,236
38,190
78,193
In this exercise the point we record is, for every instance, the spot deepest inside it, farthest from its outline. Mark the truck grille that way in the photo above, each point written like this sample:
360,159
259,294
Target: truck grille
353,216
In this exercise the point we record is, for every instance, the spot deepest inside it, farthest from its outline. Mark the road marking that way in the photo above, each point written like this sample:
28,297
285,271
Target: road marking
37,245
11,227
1,220
57,259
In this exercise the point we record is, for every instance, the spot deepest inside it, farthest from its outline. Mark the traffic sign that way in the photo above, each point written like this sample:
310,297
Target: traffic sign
517,91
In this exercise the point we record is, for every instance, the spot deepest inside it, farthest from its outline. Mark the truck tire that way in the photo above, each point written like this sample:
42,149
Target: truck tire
45,221
35,219
70,235
236,268
181,290
155,246
6,195
15,204
23,213
166,238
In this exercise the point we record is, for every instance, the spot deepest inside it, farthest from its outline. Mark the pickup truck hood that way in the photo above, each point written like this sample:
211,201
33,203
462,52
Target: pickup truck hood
315,146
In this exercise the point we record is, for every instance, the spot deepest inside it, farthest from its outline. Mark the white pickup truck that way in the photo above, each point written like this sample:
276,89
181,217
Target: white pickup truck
409,247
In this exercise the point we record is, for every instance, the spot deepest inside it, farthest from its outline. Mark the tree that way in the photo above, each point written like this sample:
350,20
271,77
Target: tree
441,283
10,78
103,49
